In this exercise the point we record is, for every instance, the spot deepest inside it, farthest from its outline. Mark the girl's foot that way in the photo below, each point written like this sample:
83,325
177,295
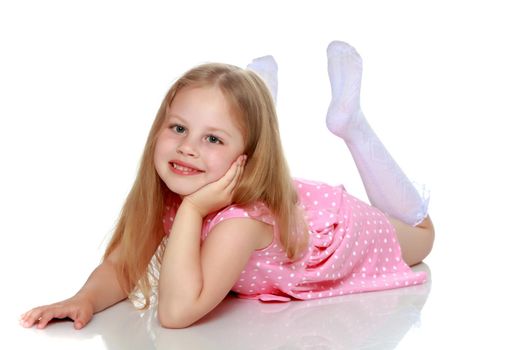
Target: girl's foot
345,69
266,67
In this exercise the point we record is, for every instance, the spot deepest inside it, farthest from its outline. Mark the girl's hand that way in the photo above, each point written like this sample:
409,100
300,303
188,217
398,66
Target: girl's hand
77,308
218,194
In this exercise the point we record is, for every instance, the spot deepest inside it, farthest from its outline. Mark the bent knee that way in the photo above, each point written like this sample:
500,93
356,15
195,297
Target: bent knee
426,242
416,242
426,224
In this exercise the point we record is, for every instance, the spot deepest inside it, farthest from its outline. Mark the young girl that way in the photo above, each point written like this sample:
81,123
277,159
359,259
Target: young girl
215,207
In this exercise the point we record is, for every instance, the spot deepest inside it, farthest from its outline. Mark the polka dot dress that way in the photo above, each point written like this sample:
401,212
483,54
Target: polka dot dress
352,248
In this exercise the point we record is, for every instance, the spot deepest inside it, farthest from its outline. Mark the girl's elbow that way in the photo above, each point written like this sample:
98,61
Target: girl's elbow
174,320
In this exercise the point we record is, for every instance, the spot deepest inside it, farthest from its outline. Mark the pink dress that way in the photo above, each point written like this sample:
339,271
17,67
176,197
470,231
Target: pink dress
352,248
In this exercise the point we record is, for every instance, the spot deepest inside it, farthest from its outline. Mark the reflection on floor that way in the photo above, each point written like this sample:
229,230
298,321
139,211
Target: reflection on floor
377,320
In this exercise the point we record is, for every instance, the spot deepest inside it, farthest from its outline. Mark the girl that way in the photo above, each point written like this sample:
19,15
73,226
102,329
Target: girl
215,204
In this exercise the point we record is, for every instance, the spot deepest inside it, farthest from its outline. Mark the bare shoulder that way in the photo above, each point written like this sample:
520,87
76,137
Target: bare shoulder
254,232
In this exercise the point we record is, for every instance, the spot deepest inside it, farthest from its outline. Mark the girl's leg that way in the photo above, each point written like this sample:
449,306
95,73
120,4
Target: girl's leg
416,241
387,187
266,68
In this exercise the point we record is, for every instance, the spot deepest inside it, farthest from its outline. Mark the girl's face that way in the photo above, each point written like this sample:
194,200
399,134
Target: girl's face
199,140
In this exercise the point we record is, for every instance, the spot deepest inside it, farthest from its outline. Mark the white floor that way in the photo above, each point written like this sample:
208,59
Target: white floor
442,87
379,320
459,308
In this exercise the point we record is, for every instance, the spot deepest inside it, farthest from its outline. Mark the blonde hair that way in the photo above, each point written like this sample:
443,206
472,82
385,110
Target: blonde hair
139,232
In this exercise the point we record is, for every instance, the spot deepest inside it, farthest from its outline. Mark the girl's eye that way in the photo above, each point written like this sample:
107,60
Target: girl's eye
214,139
179,129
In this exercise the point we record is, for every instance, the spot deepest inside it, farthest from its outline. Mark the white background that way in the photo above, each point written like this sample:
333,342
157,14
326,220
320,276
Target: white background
443,86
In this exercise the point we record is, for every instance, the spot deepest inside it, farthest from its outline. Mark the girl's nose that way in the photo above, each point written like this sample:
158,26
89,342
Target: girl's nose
187,148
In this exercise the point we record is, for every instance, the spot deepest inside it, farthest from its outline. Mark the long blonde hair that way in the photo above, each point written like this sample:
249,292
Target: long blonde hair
139,232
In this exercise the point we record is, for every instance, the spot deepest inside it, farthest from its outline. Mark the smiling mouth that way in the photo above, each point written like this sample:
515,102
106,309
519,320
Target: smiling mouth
184,170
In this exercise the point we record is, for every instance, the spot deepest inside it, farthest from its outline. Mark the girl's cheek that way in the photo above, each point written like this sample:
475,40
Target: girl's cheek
221,162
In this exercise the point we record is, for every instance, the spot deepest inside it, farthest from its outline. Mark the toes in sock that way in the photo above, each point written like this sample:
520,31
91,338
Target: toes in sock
266,68
345,70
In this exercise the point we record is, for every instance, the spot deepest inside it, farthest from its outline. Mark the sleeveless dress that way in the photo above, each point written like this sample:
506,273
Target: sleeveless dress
352,248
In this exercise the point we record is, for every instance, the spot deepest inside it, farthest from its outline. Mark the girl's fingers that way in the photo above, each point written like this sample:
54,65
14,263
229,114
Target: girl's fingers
44,319
42,316
228,177
81,319
30,317
239,165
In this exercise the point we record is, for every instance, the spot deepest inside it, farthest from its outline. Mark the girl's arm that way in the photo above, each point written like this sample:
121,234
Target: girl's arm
100,291
194,279
102,288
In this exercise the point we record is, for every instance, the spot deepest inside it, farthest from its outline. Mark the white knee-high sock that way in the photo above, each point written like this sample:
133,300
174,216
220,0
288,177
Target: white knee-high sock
387,187
266,68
